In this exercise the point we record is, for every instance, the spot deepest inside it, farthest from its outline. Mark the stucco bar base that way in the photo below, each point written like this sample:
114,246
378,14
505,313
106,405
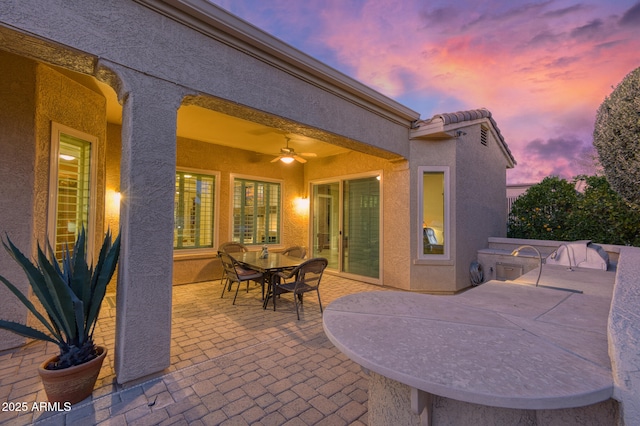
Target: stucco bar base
390,403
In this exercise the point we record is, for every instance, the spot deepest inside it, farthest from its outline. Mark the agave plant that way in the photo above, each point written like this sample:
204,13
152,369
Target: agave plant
71,295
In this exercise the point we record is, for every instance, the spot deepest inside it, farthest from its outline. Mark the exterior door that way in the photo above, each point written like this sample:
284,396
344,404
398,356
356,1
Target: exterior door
326,223
346,225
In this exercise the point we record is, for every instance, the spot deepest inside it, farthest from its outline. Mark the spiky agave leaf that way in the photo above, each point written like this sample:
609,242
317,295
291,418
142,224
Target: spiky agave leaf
81,272
25,301
38,285
27,331
105,267
62,298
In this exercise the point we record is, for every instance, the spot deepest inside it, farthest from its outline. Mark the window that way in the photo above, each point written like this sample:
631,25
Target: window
256,211
71,188
433,194
194,211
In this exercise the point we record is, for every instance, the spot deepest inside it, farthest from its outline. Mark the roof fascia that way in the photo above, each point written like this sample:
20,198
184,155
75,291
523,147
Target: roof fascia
433,130
436,130
224,27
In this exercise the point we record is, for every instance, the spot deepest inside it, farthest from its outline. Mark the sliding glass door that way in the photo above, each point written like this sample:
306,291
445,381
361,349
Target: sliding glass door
361,229
346,226
326,223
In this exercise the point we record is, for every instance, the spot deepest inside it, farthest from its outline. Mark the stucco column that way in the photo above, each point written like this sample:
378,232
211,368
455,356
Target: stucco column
147,183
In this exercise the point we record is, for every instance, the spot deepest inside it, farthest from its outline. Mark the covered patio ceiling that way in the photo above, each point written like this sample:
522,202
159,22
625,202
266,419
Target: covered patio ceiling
207,125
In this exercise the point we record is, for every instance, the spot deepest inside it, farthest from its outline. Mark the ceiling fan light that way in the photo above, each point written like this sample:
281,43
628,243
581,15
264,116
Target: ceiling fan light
287,160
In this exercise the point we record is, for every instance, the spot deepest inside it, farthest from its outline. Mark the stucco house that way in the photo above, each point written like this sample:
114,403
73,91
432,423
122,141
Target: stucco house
161,118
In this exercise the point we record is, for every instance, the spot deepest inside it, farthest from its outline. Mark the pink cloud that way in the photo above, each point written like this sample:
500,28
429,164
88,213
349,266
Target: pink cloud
542,68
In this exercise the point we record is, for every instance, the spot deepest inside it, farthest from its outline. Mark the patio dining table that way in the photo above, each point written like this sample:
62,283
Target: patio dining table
273,263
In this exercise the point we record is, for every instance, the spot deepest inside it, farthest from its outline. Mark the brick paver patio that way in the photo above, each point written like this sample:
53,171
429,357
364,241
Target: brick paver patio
230,365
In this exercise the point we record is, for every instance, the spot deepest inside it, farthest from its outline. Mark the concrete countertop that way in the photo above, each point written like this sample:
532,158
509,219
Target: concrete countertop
501,344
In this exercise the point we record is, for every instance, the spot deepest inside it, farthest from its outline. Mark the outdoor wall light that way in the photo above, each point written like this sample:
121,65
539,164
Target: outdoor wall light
516,252
112,207
301,205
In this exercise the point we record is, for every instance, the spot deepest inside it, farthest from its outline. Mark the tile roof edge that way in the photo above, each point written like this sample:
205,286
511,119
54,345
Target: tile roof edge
469,115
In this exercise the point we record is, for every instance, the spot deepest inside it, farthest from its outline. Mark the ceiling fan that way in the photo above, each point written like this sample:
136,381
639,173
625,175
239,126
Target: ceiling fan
288,155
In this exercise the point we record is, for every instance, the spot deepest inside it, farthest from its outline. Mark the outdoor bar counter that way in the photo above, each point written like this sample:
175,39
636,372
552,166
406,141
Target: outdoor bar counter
499,353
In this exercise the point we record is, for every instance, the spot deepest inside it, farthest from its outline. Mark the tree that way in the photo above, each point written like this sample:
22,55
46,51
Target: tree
555,210
543,211
617,137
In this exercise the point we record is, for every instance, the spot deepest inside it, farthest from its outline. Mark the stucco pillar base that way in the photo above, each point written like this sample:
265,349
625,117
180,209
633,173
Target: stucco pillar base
390,402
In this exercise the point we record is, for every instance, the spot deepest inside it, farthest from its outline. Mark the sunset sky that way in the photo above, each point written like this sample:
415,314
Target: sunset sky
541,67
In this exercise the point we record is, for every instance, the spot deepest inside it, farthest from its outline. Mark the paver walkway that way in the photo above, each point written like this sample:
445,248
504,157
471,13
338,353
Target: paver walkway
230,365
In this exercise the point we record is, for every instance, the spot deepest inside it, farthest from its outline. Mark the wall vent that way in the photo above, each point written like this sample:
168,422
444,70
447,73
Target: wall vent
484,135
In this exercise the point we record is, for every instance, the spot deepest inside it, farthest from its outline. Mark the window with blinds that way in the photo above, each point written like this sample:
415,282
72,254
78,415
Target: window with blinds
73,191
256,212
194,211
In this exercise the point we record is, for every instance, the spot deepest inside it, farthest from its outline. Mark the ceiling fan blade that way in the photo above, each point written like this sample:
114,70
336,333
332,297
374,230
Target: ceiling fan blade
299,159
276,159
308,154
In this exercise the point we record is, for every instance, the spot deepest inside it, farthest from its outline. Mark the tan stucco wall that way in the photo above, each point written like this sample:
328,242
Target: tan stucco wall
477,205
17,162
112,187
480,199
32,96
431,275
228,161
62,100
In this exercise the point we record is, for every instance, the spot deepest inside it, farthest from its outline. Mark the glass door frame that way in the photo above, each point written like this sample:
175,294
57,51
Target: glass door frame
340,180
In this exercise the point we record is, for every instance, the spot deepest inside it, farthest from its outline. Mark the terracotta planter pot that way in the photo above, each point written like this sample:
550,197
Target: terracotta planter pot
71,384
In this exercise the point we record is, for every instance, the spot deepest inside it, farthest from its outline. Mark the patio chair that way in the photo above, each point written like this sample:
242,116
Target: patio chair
295,251
302,279
231,247
236,274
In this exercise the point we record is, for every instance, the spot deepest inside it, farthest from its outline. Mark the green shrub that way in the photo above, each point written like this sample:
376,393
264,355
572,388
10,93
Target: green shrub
543,212
554,210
